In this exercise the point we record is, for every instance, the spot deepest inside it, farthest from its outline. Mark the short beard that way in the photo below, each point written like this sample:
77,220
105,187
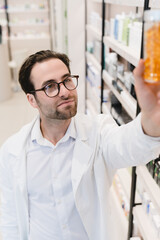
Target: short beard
64,116
57,115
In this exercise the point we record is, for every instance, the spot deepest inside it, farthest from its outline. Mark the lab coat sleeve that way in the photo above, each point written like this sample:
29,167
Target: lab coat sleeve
127,145
8,223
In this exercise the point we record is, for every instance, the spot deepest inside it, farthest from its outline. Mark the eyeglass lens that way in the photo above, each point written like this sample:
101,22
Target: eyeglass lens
52,89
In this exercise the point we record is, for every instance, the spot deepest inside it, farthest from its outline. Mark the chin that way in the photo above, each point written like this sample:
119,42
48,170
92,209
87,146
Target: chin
67,114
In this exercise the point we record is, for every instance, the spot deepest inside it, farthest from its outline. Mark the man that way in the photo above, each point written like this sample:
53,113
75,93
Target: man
57,171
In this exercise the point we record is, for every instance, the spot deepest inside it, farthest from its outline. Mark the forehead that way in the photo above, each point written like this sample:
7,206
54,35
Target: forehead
50,69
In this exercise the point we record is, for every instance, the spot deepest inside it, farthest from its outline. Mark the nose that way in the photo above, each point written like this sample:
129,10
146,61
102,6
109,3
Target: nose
63,92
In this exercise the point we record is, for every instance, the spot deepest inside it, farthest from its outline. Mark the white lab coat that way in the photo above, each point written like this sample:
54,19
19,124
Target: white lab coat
101,147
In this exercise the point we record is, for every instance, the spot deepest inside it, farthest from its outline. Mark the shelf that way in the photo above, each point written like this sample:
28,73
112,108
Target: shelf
124,51
91,58
134,3
93,96
95,31
28,38
28,24
91,108
125,179
127,101
97,1
27,11
154,3
145,225
106,108
150,185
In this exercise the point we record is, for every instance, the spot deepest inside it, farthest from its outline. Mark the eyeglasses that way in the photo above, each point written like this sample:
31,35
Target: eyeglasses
52,89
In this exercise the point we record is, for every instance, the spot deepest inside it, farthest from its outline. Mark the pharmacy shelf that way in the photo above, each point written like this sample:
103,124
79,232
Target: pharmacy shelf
91,58
154,3
150,185
90,108
94,31
127,101
27,11
125,179
29,24
106,107
120,220
29,38
93,96
134,3
97,1
124,51
145,225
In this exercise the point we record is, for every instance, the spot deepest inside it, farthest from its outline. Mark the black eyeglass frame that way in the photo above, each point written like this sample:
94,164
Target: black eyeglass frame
58,84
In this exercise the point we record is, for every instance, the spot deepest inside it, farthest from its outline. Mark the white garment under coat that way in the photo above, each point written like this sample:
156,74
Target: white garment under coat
101,147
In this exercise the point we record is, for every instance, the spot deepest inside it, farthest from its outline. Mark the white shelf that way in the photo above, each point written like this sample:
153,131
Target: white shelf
106,108
154,3
28,38
134,3
28,24
97,1
145,225
91,108
94,30
91,58
93,97
27,11
128,104
125,179
124,51
150,185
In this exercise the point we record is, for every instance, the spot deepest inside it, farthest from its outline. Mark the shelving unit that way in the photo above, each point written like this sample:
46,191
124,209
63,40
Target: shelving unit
124,51
145,225
129,104
133,3
94,35
94,31
150,186
154,3
91,58
29,26
120,219
127,101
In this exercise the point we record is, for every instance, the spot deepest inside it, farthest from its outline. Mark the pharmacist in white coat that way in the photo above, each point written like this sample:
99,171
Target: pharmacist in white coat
56,172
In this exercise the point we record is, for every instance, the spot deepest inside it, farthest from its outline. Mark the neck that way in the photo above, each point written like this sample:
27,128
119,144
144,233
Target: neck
53,130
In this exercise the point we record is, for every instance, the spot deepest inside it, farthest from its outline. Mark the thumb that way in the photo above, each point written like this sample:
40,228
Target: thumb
138,75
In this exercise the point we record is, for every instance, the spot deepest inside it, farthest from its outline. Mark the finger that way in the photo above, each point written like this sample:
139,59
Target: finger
158,95
139,70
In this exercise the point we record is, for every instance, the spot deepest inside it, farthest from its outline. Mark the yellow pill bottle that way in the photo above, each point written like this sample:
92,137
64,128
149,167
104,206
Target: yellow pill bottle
152,46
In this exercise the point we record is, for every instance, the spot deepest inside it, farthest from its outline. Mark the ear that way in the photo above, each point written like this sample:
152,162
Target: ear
32,100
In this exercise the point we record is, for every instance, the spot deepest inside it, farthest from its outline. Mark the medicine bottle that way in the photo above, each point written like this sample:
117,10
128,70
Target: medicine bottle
152,46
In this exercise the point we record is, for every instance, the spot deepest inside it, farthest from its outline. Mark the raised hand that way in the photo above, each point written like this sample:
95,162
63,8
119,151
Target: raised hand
148,96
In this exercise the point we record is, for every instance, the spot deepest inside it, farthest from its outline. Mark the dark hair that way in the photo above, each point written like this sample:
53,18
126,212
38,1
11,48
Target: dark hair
25,70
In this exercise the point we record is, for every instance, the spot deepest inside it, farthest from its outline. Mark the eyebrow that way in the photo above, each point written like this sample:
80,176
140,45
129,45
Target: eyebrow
53,80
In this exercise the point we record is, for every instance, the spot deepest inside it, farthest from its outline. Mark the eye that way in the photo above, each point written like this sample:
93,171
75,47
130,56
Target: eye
69,79
51,86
